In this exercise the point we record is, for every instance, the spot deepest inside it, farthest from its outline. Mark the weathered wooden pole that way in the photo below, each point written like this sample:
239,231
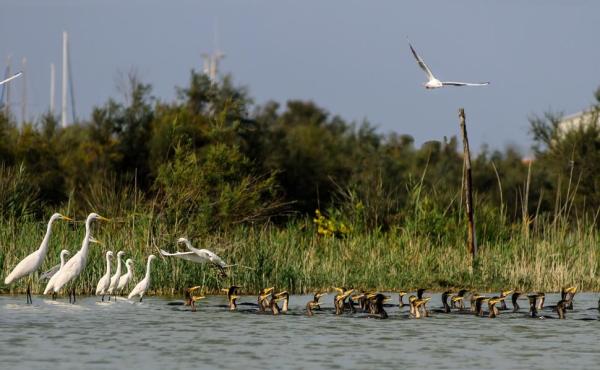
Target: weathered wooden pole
467,181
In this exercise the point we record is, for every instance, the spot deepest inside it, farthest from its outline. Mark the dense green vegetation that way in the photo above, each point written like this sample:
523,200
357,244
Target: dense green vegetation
246,180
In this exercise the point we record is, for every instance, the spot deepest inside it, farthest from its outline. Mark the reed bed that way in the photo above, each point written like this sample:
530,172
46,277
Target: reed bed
296,258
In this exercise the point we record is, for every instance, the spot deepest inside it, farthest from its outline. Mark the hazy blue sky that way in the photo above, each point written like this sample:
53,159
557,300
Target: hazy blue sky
350,57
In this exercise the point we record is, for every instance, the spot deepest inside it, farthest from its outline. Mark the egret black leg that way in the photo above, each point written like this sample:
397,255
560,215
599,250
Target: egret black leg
141,297
53,296
102,297
109,297
74,298
29,301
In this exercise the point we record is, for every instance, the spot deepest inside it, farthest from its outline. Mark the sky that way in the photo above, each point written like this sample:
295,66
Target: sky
350,57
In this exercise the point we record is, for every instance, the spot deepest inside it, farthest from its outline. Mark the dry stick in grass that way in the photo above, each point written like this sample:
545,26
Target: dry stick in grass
471,238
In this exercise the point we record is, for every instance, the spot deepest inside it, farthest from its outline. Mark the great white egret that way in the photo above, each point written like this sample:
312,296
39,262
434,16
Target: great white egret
104,283
63,254
196,255
33,262
114,280
46,275
77,263
125,279
141,287
433,82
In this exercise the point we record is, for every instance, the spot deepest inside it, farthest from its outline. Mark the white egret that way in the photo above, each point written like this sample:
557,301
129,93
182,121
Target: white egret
77,263
54,269
63,254
125,279
11,78
433,82
114,280
50,285
196,255
141,287
104,283
33,262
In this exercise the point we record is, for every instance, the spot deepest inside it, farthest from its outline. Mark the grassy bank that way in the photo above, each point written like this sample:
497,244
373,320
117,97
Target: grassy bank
297,259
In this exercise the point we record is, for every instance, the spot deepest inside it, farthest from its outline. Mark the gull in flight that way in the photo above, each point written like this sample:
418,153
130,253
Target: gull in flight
433,82
197,255
11,78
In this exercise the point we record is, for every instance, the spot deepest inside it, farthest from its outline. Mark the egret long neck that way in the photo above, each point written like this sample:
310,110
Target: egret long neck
118,271
86,240
46,241
62,260
108,265
148,269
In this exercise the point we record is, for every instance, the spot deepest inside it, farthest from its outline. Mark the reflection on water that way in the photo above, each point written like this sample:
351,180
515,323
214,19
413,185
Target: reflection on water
153,335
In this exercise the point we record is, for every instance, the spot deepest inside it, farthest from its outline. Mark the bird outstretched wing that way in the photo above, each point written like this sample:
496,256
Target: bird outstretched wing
452,83
421,63
48,274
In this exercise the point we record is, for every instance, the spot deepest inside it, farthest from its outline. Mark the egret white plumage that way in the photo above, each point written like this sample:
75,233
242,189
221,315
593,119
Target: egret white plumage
433,82
125,279
11,78
77,263
114,280
141,287
46,275
33,262
104,283
63,254
196,255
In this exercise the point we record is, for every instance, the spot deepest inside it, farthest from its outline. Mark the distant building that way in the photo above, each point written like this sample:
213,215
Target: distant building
575,120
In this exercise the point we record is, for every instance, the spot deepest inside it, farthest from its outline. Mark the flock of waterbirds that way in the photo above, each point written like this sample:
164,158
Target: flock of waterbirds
345,300
67,272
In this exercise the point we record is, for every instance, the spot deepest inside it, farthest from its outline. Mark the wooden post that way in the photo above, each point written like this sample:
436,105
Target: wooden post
467,181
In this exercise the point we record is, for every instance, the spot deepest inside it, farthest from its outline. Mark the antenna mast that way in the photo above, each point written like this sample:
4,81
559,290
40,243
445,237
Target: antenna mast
7,87
65,74
52,87
24,91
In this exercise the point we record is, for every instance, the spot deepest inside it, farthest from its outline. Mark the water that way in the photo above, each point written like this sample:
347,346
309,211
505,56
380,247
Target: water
154,335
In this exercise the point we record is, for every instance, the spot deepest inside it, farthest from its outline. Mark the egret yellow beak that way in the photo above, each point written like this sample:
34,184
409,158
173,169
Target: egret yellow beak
194,288
66,218
94,240
572,289
103,218
197,298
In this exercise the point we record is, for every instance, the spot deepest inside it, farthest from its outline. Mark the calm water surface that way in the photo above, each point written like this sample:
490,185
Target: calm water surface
155,335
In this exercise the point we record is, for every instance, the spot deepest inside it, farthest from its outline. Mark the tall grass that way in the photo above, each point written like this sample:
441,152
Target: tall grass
297,259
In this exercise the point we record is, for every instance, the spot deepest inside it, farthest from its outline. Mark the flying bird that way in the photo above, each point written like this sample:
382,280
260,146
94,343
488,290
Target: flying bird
433,82
10,78
196,255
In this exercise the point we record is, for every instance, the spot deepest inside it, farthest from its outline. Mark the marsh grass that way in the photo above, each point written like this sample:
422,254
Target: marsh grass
295,258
